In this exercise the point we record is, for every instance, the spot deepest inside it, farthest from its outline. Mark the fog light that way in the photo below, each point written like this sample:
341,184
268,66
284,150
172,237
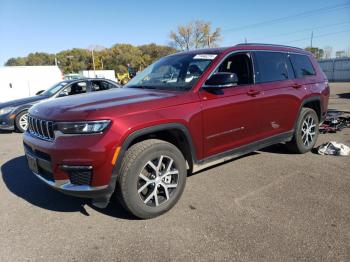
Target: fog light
78,175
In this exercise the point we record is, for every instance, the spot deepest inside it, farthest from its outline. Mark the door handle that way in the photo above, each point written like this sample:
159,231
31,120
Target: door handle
297,86
253,92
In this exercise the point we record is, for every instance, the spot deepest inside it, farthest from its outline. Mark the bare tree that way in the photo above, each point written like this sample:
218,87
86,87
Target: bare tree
195,35
328,51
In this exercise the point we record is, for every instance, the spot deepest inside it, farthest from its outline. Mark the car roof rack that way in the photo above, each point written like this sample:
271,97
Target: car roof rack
262,44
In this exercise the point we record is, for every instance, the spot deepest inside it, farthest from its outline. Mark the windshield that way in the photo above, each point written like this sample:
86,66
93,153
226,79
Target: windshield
54,89
173,72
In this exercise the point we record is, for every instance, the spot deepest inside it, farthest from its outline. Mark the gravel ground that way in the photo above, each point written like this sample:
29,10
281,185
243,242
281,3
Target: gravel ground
267,206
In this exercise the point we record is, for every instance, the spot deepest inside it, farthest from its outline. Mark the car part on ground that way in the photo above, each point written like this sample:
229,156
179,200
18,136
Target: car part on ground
333,148
335,121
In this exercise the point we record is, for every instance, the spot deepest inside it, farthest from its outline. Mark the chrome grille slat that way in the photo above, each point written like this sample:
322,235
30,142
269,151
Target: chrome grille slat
41,128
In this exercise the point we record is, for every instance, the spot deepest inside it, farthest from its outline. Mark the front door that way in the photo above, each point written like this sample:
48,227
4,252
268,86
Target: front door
230,116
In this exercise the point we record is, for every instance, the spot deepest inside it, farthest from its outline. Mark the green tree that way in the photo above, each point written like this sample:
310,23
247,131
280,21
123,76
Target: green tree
19,61
194,35
317,52
116,58
153,52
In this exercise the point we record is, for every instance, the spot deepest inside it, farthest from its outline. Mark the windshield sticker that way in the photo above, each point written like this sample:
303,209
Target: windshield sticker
205,56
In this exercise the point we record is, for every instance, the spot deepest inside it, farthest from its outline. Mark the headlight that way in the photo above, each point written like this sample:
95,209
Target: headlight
86,127
6,110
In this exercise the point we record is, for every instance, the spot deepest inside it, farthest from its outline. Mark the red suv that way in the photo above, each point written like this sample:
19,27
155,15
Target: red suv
182,113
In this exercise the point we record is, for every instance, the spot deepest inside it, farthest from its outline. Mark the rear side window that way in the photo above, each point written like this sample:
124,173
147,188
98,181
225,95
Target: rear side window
302,65
270,66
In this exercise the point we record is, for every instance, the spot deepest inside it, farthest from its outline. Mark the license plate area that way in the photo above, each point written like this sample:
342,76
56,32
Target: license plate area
32,163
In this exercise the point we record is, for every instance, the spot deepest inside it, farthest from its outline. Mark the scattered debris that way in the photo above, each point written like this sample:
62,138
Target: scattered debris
333,148
335,121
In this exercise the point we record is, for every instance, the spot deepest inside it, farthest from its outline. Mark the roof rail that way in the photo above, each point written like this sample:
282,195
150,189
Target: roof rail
262,44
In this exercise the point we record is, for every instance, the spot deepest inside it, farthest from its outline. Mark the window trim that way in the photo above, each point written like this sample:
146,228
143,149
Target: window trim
285,56
295,73
223,60
252,58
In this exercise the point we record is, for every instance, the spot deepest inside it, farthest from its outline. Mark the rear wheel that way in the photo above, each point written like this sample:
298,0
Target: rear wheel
306,132
22,121
152,178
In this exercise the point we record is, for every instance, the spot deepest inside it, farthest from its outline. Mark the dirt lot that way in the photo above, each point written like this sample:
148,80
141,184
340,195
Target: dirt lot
267,206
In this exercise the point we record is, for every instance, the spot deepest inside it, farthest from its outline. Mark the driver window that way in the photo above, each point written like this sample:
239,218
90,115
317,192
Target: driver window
241,65
74,89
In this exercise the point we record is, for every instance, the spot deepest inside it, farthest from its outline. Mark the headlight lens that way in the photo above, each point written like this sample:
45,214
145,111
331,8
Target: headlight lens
86,127
6,110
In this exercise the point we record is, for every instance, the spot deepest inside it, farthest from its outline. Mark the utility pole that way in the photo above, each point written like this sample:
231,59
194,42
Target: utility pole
208,40
70,60
93,61
245,40
101,63
312,37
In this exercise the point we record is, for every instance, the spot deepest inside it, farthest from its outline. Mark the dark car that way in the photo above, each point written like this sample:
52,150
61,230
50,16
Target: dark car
183,113
13,114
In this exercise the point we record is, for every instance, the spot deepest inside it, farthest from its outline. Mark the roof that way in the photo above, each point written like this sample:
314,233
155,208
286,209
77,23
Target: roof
245,46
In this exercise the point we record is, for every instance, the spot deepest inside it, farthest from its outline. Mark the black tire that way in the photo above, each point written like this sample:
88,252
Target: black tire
19,124
136,162
298,144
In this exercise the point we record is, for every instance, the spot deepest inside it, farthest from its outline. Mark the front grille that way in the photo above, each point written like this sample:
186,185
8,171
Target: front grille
80,177
41,128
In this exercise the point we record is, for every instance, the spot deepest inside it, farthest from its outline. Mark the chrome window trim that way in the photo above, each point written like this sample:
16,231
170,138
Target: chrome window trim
250,51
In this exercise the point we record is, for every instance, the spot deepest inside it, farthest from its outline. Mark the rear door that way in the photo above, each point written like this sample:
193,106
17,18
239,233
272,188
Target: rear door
279,95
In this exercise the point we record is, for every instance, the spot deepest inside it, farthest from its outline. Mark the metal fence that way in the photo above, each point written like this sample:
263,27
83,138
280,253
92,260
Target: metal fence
337,69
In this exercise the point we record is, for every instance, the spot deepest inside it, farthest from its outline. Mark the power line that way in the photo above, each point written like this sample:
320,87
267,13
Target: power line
291,17
318,36
304,30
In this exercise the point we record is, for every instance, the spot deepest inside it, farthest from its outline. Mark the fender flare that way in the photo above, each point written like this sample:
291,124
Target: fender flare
149,130
303,103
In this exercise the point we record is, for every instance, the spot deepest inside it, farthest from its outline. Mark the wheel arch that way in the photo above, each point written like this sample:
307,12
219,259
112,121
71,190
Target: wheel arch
174,133
314,103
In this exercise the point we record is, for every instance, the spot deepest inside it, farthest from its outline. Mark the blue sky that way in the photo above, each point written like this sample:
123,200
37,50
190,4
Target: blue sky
51,26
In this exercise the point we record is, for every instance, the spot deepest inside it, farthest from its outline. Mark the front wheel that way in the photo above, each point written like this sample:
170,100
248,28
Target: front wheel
22,121
152,178
306,132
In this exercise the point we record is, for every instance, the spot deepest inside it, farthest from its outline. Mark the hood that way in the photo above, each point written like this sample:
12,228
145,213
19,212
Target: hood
23,101
114,103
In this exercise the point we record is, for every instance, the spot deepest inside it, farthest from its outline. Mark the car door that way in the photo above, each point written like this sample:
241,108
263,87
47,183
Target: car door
279,96
230,116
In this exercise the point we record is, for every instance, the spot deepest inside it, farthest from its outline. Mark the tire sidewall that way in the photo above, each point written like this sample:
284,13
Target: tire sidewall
305,113
19,116
133,200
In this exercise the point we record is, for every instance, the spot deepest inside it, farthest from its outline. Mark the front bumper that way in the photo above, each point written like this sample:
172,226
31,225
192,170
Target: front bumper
53,158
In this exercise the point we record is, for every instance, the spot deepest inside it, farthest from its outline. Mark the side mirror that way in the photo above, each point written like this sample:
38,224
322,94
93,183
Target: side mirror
39,92
62,94
221,80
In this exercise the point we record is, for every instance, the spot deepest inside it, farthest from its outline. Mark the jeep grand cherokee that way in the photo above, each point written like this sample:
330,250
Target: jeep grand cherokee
182,113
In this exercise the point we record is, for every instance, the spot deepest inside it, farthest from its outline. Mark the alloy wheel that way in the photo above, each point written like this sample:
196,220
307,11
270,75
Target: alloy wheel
23,121
308,131
158,181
